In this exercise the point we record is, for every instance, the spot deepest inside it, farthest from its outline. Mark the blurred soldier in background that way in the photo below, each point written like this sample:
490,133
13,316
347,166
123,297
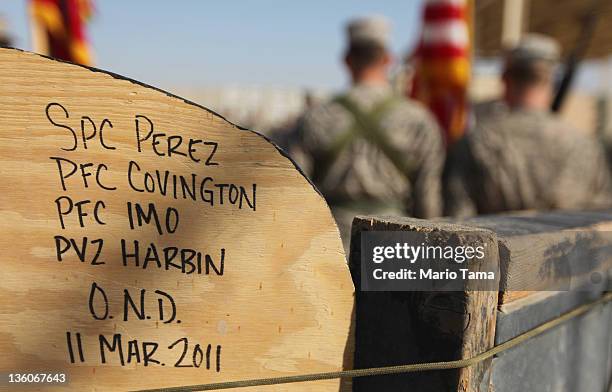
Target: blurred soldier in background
533,60
519,155
370,151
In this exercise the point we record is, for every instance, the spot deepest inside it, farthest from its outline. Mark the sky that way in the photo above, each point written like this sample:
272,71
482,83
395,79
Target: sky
191,43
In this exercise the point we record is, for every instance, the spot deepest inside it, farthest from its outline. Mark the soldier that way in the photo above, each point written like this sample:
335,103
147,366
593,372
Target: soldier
519,155
370,151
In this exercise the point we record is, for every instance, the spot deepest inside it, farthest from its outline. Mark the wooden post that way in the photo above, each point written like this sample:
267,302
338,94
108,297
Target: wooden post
397,328
512,23
549,264
38,35
552,263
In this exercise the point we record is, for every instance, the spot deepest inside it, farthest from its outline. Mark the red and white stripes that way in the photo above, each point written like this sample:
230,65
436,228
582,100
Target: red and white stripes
443,65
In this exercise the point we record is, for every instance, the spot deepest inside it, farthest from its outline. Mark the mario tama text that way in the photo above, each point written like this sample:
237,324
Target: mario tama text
416,261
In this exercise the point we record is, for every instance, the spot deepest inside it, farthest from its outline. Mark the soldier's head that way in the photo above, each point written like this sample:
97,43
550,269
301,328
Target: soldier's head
367,56
529,72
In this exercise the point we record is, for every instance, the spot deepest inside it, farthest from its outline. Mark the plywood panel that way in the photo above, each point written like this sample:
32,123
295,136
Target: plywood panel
246,262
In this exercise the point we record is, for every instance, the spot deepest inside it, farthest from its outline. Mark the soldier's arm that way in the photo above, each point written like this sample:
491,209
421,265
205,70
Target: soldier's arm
427,188
315,136
299,143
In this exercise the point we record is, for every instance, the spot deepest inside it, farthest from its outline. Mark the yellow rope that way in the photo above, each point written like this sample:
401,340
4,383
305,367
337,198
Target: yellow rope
417,367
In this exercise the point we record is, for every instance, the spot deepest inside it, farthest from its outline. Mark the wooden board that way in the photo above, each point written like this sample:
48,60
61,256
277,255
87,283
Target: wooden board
441,326
398,328
273,296
550,251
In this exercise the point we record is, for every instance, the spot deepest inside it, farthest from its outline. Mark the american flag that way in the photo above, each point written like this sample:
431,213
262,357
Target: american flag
442,64
61,24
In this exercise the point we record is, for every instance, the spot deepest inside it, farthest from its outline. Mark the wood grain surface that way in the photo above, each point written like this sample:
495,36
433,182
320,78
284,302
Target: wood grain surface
398,328
550,251
279,305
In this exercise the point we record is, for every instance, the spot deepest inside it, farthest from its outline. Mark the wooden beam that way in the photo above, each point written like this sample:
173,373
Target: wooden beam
550,251
513,17
397,328
38,35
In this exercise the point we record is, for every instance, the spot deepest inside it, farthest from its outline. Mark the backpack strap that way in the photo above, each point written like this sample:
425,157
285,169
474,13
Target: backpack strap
366,125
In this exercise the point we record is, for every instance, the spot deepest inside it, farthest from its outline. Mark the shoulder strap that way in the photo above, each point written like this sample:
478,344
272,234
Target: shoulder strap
367,126
327,158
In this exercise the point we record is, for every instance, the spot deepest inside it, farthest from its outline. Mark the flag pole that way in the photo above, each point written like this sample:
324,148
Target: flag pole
38,35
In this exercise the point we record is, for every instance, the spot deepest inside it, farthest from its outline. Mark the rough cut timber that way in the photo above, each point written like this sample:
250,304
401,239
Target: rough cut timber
398,328
550,251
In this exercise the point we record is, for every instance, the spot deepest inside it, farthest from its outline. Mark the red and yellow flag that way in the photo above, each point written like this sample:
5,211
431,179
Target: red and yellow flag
60,28
442,64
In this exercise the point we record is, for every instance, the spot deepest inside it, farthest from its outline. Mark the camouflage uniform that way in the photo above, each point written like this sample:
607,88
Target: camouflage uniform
487,109
365,175
516,160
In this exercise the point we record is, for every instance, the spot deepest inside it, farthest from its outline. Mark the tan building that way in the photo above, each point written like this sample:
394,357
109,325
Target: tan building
581,27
